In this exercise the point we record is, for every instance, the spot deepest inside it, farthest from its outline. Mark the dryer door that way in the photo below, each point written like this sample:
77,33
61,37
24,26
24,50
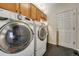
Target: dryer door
42,33
15,36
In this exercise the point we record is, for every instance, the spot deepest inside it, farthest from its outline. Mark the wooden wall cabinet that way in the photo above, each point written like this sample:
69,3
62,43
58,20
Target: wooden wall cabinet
8,6
44,17
41,16
25,9
33,12
38,15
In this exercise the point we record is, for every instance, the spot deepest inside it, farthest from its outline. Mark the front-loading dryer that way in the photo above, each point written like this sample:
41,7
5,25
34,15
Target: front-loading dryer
16,36
41,38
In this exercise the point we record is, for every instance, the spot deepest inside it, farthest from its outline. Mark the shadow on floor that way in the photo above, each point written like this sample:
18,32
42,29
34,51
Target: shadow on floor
53,50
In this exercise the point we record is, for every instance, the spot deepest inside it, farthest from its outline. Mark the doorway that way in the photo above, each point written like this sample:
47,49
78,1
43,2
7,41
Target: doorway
66,25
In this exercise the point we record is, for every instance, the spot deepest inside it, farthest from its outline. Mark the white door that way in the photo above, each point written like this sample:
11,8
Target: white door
66,22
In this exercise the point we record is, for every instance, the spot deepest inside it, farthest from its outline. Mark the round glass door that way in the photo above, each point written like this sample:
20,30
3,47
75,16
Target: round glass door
42,33
15,37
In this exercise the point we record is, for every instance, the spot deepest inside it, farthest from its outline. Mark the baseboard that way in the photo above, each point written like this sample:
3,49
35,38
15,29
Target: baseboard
52,43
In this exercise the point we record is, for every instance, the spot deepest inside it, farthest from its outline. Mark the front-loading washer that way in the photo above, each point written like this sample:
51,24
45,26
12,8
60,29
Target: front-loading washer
41,38
16,36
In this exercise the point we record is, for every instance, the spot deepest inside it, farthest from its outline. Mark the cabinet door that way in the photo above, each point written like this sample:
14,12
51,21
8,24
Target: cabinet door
44,17
33,12
25,9
18,7
8,6
38,15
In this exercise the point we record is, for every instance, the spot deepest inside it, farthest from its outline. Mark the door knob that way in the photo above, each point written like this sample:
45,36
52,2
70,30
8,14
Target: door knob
73,28
73,42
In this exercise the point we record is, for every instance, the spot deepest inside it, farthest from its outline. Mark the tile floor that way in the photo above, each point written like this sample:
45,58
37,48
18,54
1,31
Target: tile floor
53,50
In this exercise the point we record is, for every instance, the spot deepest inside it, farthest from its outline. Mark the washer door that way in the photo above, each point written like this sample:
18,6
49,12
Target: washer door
42,33
15,36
